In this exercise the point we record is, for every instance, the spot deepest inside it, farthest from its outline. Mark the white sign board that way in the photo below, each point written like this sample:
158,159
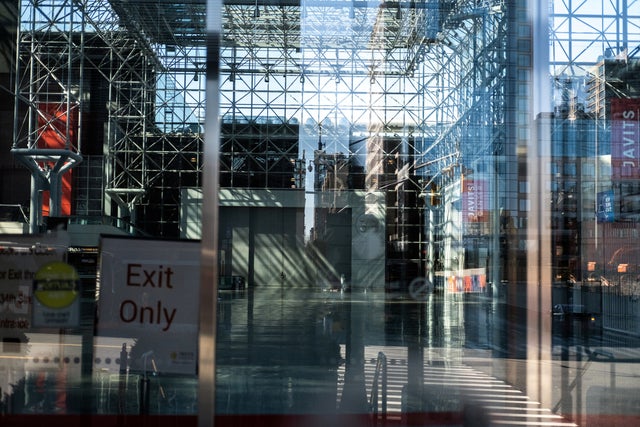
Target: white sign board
21,257
148,292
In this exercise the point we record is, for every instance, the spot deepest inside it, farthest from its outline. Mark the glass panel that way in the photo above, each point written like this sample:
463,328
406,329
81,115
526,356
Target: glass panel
405,216
405,212
105,127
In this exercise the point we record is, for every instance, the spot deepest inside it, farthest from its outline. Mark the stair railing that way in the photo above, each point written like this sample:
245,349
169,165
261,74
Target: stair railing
379,387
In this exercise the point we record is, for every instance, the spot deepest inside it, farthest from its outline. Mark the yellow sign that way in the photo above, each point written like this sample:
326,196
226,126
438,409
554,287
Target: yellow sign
56,285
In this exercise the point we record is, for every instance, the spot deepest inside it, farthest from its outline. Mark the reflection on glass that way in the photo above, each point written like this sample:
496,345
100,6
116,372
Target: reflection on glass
428,211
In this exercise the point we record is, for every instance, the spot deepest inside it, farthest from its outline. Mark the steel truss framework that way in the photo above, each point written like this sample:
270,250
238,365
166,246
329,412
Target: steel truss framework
420,86
343,77
134,69
431,73
338,71
585,36
595,48
582,33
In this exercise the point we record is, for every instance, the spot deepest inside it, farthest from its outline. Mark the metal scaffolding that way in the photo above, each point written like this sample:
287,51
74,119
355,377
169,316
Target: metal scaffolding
48,89
399,95
421,84
411,95
115,80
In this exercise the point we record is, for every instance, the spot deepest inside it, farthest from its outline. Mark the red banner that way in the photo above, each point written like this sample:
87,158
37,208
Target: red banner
474,200
625,139
54,133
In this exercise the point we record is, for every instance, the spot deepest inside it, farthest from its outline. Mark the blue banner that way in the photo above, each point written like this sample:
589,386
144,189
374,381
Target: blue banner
605,211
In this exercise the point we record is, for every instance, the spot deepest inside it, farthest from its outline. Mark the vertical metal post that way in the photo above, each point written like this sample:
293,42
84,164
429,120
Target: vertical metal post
209,254
144,395
35,212
122,379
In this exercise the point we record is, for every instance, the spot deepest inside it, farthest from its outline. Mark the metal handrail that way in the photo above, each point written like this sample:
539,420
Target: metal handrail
116,222
16,212
379,376
592,356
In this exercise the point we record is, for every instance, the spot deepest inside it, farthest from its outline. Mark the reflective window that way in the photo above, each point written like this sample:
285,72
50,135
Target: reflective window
320,212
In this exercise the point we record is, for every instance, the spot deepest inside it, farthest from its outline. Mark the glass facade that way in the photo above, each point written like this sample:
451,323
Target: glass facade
320,212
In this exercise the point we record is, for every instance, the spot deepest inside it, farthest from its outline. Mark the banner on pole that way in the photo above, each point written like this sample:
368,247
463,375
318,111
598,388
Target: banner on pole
625,139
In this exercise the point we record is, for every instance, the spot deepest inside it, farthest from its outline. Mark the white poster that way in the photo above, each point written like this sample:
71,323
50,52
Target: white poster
21,257
148,294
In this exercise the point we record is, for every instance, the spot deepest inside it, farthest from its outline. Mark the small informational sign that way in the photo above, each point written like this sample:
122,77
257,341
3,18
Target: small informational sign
420,288
56,292
21,257
148,292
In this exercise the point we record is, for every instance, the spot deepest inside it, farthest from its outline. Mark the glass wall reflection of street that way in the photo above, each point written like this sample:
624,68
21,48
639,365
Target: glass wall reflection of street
310,351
